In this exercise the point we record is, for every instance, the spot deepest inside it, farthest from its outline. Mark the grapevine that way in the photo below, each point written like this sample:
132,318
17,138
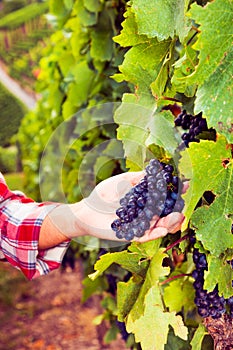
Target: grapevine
169,65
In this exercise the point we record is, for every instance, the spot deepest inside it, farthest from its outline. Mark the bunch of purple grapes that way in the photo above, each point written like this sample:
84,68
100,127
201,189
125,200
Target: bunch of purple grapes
194,125
158,193
209,304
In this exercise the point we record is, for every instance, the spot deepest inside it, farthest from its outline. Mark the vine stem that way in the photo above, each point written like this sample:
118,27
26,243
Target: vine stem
176,242
174,277
170,99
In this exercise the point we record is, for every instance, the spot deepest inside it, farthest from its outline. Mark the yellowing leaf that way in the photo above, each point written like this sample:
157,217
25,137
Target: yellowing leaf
151,329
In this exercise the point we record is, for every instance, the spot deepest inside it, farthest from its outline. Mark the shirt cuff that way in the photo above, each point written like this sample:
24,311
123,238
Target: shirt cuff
20,236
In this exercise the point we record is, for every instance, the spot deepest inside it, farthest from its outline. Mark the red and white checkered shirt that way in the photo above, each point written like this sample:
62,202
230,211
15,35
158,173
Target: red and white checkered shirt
20,222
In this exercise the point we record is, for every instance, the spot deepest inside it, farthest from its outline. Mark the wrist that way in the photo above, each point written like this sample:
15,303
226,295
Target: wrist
66,220
79,218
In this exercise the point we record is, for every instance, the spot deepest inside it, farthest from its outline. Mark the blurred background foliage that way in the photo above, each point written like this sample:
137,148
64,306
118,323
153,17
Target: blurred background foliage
74,74
64,53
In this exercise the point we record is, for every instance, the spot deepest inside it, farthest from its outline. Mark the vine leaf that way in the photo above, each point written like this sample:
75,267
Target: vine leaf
129,34
214,98
140,127
167,140
184,292
182,68
201,164
215,38
146,249
213,223
149,13
220,273
101,46
92,5
133,119
142,64
153,320
127,293
80,89
198,337
155,272
129,261
86,17
213,73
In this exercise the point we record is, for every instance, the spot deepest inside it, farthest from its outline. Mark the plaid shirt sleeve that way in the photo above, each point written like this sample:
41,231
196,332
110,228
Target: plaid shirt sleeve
20,222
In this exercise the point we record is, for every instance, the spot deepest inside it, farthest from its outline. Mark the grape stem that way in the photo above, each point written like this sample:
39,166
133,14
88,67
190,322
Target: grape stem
174,278
176,242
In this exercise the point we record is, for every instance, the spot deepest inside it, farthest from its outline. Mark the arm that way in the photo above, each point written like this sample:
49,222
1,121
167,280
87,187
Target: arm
93,215
20,225
35,236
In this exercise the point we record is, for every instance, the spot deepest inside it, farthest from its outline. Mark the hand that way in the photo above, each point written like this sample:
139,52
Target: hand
95,214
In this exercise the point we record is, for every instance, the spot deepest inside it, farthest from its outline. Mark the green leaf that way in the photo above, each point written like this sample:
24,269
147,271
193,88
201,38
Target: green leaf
158,86
155,272
215,39
184,295
81,89
101,46
219,272
132,119
140,127
146,249
86,17
68,4
183,68
201,163
176,343
80,38
92,5
161,18
214,98
213,223
142,64
160,122
93,287
111,334
155,321
197,340
127,293
57,7
129,34
128,261
66,62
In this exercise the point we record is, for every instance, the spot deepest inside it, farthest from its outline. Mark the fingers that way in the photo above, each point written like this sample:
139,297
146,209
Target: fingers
172,222
155,233
161,227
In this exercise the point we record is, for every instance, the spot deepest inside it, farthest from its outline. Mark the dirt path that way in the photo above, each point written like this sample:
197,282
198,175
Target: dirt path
47,313
28,99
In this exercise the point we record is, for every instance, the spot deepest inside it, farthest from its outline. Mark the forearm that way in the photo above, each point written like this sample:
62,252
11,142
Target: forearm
61,224
50,235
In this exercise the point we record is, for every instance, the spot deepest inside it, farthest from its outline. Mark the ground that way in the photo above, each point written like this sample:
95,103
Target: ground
47,313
